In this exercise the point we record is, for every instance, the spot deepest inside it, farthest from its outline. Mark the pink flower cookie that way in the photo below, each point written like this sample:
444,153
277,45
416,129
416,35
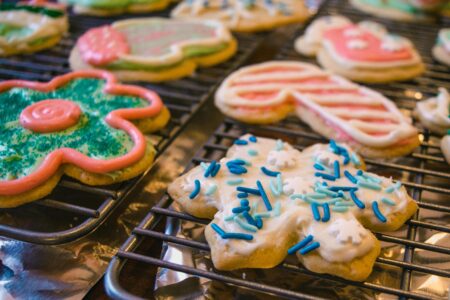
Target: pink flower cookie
268,200
153,49
363,52
330,104
82,124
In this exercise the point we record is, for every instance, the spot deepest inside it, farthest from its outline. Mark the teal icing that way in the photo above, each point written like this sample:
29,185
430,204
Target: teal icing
11,32
392,4
21,150
52,13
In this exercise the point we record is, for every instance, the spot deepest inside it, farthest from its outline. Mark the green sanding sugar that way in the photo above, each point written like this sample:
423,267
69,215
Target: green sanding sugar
21,150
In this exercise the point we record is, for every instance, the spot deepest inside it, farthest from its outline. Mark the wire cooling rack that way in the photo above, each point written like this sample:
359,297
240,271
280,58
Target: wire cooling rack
418,251
74,209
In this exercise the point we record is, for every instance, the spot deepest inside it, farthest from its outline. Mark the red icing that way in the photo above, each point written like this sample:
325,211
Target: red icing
372,53
50,115
119,119
102,45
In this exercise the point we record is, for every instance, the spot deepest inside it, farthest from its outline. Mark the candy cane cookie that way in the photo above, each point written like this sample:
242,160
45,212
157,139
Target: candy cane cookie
82,124
434,113
363,52
244,15
27,28
268,200
331,105
153,49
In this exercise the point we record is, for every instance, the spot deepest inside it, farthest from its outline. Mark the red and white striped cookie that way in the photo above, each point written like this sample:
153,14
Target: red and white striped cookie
331,105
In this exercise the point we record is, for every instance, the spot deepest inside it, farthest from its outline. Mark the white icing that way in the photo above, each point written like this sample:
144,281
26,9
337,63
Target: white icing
41,26
434,112
282,159
347,231
394,43
375,28
444,38
341,239
357,44
222,35
354,122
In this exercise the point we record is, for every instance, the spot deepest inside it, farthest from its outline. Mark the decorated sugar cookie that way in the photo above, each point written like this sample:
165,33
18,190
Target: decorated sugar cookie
268,200
331,105
153,49
403,10
26,28
363,52
434,113
441,51
82,124
445,147
244,15
115,7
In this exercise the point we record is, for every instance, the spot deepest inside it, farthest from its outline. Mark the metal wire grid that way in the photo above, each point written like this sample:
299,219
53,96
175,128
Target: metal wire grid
79,208
425,173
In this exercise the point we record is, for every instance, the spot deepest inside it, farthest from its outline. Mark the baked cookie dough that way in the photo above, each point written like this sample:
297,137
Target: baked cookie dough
268,200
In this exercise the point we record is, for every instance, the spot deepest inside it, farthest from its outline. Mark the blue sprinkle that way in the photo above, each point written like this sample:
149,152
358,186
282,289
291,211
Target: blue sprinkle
237,170
238,236
326,191
216,170
280,183
309,248
279,145
315,211
244,202
377,212
259,222
218,229
300,244
235,181
355,160
297,196
346,156
242,195
340,208
269,172
230,218
355,199
342,188
211,168
245,225
325,176
264,195
341,203
204,165
393,187
326,213
350,177
277,210
249,218
211,190
262,215
369,185
319,167
388,201
240,209
236,161
252,152
337,169
248,190
334,147
196,190
274,189
317,196
359,172
252,139
240,142
246,162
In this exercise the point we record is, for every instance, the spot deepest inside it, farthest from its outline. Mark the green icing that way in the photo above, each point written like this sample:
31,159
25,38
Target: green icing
109,3
192,51
10,32
21,150
40,41
392,4
53,13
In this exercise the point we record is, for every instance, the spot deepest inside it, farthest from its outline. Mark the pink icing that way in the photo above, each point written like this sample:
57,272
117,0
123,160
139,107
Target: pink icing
102,45
119,119
373,52
50,115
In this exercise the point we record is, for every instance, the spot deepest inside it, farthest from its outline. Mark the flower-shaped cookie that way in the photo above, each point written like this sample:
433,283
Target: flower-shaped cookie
320,206
28,28
363,52
244,15
80,124
331,105
153,49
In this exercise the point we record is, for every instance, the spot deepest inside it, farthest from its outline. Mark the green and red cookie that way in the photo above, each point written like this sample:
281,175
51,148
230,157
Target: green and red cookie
82,124
153,49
